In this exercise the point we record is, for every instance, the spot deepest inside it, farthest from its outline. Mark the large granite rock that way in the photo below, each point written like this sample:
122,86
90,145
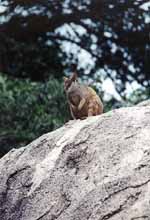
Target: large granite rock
94,169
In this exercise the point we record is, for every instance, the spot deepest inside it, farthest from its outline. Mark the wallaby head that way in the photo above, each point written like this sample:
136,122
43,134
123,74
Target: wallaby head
68,82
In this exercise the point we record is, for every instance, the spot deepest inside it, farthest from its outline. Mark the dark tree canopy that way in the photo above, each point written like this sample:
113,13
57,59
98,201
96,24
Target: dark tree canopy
42,37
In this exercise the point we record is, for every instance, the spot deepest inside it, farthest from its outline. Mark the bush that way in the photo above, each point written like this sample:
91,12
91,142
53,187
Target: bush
29,109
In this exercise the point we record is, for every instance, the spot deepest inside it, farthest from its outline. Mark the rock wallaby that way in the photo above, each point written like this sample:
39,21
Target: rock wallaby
83,100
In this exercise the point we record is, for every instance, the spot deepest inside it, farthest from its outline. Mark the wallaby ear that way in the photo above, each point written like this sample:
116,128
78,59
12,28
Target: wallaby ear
74,77
65,78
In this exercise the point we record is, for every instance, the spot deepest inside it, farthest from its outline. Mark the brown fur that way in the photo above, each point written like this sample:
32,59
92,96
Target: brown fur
83,100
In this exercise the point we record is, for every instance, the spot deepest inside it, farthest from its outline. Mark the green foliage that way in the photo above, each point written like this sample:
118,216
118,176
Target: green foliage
29,109
137,96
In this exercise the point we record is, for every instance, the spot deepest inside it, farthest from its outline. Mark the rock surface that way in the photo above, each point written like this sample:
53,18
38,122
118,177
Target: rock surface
144,103
94,169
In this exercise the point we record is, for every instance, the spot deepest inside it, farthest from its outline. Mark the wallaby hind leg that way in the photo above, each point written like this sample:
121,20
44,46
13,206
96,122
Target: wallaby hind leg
90,113
94,109
91,109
